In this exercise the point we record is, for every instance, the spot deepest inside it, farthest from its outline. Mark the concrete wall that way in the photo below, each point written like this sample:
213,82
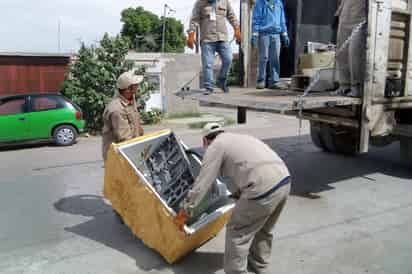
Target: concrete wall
175,70
183,69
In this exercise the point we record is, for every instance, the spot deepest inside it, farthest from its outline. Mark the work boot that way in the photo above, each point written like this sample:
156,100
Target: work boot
208,91
354,92
223,86
342,91
260,85
275,86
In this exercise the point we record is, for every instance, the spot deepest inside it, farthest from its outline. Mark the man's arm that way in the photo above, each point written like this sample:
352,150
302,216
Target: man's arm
283,26
195,18
120,127
139,125
256,18
211,165
231,16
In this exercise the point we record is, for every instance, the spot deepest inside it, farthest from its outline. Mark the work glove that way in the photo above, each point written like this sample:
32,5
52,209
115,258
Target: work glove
253,41
285,40
181,219
238,35
235,195
191,40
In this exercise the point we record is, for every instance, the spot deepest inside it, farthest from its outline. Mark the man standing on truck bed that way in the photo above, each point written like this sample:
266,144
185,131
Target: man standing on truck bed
262,183
210,16
121,118
350,63
269,32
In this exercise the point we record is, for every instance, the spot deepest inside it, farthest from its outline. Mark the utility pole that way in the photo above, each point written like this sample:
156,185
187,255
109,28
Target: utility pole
166,7
249,55
59,43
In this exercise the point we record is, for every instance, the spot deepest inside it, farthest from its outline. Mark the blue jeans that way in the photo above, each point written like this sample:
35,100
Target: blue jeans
208,60
269,51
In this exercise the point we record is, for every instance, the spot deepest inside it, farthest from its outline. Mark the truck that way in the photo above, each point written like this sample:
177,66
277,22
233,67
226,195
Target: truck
340,124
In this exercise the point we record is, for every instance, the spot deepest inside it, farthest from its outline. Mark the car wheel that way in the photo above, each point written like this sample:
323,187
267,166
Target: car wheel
65,135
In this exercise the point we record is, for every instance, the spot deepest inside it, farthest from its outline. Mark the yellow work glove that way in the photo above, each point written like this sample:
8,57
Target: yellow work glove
238,35
191,40
181,219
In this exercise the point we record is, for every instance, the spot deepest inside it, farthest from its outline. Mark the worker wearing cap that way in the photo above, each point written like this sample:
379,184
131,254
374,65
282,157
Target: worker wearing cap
269,32
210,16
350,63
260,179
121,118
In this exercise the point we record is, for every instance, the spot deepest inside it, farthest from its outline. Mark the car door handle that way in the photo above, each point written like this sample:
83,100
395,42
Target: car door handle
22,119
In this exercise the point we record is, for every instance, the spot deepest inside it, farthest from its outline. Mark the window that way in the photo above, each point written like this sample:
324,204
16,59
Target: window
12,106
46,102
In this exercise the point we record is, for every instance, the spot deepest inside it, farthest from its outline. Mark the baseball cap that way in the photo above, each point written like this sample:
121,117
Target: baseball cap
127,79
211,128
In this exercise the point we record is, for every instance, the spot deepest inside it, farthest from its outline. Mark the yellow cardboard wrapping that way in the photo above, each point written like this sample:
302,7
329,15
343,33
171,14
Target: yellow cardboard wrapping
144,213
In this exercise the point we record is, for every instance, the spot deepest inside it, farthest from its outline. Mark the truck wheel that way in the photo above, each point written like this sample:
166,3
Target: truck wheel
406,151
65,135
316,135
341,140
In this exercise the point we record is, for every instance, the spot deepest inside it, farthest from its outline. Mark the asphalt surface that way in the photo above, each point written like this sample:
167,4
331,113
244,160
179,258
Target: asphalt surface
345,215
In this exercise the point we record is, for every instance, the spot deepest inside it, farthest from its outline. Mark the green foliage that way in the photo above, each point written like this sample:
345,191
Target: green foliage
234,78
153,116
144,30
183,115
91,82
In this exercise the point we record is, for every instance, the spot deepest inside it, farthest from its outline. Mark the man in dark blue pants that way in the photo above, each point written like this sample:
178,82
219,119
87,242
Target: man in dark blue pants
269,32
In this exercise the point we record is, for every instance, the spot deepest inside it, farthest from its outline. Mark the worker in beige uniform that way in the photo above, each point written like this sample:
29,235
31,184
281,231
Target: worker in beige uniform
121,118
261,181
210,16
350,63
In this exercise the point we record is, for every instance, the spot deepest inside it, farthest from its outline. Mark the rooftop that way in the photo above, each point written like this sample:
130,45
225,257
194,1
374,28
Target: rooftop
35,54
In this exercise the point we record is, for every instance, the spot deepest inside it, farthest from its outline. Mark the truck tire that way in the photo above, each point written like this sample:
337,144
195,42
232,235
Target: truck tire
341,140
406,151
316,135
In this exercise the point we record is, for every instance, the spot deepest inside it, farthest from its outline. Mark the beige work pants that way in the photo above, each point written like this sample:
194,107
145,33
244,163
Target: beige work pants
350,63
249,233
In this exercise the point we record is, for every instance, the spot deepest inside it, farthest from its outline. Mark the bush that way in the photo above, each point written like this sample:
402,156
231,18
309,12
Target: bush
91,82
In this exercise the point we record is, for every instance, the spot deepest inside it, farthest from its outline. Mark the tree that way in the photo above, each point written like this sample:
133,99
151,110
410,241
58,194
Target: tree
91,82
144,30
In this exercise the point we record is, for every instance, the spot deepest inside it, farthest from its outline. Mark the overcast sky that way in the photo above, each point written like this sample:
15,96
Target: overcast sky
32,25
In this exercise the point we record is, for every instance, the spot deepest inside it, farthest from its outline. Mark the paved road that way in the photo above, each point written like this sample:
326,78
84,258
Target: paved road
345,215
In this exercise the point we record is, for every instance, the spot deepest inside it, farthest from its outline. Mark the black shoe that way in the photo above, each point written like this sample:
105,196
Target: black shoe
223,86
207,91
275,86
261,85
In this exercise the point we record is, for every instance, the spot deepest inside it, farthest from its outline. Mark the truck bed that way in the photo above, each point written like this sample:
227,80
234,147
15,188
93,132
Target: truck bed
278,101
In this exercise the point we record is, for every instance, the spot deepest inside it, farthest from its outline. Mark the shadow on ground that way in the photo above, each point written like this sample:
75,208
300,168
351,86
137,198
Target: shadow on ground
313,172
106,228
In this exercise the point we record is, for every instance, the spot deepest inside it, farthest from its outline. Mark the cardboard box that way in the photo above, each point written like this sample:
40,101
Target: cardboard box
321,60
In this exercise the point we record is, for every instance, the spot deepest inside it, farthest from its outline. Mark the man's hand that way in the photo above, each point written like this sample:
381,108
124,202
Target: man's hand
191,40
253,41
238,35
285,40
181,219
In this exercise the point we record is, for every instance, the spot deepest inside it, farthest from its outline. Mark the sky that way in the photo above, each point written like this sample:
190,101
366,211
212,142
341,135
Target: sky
32,25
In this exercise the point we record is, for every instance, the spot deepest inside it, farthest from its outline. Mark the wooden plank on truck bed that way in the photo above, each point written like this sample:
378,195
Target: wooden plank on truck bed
280,101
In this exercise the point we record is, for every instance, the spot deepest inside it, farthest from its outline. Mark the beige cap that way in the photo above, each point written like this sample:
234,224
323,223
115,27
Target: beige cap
127,79
211,128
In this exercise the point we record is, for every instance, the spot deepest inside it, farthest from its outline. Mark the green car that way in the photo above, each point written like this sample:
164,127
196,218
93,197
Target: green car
39,117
